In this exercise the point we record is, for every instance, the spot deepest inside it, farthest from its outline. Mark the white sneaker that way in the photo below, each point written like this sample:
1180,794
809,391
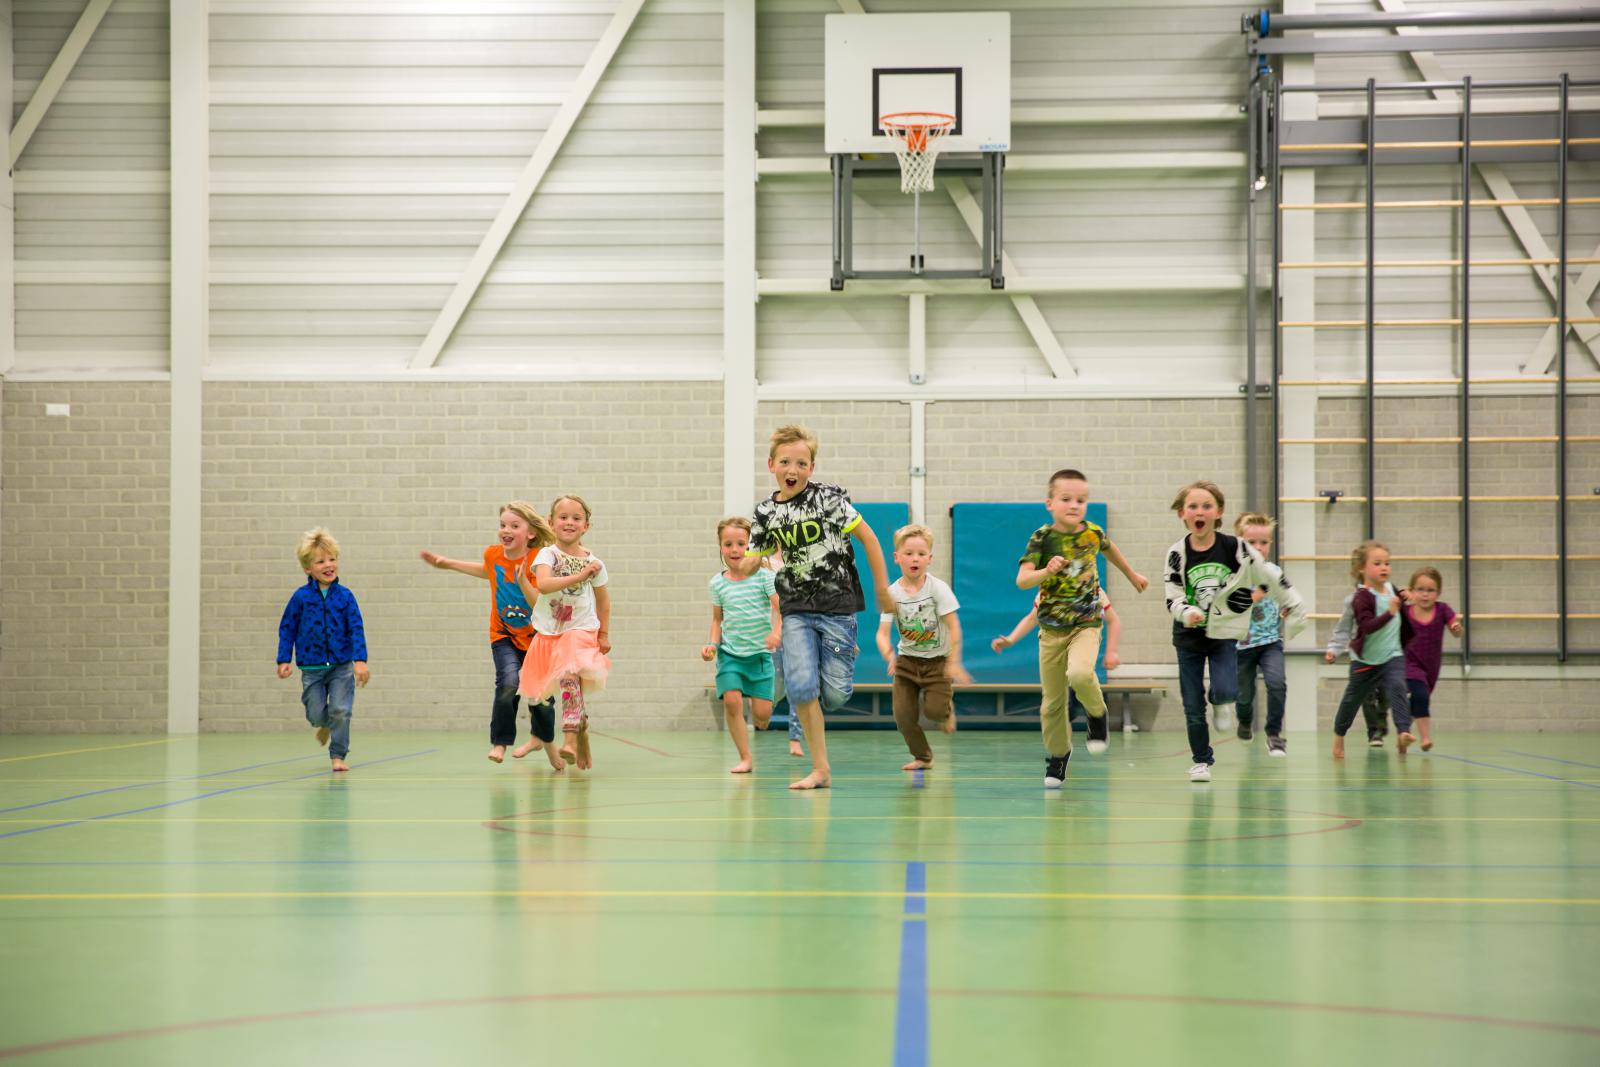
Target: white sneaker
1095,747
1222,717
1200,772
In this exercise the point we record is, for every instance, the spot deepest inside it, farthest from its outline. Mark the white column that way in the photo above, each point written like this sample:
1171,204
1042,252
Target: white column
739,256
190,270
8,213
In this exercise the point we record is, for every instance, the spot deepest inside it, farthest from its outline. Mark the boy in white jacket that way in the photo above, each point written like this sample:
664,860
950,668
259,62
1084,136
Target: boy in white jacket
1210,578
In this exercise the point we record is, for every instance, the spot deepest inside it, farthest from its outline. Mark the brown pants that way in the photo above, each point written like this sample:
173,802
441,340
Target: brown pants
920,686
1067,658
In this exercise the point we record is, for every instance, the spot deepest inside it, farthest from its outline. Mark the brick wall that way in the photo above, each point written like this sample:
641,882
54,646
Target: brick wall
83,559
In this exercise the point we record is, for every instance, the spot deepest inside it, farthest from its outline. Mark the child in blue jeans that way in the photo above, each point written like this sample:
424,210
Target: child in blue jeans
811,524
321,631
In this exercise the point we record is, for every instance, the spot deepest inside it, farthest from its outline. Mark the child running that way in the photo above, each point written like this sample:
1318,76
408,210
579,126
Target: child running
1425,620
929,658
1262,646
1060,562
1376,659
522,533
1209,581
1374,709
745,628
321,630
1110,661
812,524
571,622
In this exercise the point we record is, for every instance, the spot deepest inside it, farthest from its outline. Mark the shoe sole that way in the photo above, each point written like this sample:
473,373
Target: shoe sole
1095,747
1276,753
1053,783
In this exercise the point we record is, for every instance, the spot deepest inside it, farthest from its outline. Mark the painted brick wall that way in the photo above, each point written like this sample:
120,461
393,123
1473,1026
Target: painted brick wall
83,559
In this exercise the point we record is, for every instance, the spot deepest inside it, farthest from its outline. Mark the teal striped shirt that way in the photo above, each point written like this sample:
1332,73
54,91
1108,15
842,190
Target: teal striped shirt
746,611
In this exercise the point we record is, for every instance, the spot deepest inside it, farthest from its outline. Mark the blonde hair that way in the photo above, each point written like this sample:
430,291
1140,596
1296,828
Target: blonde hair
906,533
1254,518
576,499
1358,558
1426,572
1209,486
541,534
313,543
788,435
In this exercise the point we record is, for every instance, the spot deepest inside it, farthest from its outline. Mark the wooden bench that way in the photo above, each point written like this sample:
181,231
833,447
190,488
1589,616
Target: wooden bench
1123,690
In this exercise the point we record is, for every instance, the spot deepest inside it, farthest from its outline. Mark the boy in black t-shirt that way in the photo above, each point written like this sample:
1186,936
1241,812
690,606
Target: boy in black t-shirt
811,525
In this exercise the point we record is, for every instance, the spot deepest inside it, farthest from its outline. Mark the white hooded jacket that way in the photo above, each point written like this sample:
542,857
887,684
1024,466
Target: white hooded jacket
1229,614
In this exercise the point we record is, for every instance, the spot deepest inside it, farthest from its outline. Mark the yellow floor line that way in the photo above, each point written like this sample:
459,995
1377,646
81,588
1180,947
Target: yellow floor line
81,751
788,894
1210,818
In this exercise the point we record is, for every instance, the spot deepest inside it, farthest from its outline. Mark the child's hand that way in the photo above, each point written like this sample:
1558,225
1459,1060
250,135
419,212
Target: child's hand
1404,594
589,570
1113,661
1056,564
1328,657
1000,644
362,674
889,659
957,673
1140,582
285,669
1456,627
1193,616
708,652
432,559
605,643
774,639
1394,605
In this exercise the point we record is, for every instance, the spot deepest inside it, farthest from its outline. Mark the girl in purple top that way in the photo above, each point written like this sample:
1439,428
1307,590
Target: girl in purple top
1426,619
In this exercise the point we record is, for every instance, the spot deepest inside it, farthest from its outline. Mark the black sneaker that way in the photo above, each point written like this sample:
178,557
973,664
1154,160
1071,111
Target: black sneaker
1097,735
1245,732
1055,771
1276,746
1374,739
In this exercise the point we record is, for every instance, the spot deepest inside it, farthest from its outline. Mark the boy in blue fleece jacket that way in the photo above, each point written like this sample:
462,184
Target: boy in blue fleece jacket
321,630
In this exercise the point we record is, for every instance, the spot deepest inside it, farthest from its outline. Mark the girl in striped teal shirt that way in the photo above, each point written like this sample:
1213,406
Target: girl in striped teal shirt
745,629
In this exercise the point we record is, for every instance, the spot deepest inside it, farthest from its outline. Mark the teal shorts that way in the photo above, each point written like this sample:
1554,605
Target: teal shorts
750,675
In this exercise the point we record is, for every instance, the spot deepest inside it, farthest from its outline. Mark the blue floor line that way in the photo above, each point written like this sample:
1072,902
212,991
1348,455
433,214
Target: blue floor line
911,998
1553,759
203,796
160,781
1518,770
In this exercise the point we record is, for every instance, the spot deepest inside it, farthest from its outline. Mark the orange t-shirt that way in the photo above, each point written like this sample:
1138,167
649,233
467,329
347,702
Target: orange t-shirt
510,615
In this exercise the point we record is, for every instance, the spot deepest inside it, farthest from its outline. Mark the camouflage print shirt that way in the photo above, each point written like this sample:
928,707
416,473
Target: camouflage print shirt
1071,599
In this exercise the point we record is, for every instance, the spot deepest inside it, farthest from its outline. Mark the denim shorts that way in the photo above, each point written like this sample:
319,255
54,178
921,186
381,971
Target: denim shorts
819,658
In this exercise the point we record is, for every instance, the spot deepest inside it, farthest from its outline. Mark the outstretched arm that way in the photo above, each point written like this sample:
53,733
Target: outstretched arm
602,610
1113,635
880,570
467,567
885,649
1028,622
549,583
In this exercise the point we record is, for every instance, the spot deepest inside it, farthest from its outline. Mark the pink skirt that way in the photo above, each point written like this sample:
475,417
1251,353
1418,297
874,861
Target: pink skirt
552,657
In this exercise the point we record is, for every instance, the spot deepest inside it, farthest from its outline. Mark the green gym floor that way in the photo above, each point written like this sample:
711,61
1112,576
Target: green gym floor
224,900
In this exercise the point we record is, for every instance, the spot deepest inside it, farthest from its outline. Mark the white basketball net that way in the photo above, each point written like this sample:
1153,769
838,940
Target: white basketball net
917,140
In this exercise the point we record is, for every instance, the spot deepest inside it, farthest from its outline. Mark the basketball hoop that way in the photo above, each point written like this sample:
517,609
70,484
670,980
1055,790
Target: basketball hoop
918,136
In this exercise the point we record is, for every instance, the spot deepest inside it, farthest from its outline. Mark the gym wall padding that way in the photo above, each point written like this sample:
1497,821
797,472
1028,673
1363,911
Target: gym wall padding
884,519
986,542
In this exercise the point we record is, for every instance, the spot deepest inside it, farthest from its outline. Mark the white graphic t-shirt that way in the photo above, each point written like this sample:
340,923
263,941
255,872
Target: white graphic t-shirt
918,616
573,607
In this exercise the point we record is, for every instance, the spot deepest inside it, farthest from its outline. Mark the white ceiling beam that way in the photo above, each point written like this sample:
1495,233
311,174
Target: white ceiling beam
1044,338
56,76
1521,223
1050,163
527,184
852,7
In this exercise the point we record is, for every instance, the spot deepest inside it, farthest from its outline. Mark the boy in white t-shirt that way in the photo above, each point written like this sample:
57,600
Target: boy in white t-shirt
929,653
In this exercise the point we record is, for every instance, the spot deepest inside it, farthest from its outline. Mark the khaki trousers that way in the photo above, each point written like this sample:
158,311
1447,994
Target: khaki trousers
1067,658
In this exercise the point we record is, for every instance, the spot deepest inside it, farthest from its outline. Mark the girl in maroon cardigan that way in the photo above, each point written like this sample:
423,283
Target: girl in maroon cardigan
1425,619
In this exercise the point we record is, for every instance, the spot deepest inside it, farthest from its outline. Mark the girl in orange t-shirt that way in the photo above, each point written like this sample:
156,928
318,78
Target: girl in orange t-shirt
522,533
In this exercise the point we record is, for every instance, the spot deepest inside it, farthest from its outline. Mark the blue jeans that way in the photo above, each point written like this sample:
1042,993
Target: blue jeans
1269,657
329,695
795,733
1193,656
819,658
503,718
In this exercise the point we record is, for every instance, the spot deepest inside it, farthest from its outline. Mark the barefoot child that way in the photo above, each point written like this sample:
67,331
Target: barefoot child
522,533
1426,618
571,620
321,630
812,525
1210,577
929,657
745,627
1262,646
1376,659
1060,562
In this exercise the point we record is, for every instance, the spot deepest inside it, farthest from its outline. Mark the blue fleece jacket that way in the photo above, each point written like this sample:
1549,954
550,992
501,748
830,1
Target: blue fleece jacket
320,631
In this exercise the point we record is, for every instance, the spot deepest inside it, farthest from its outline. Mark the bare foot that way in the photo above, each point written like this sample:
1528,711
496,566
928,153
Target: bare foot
322,736
814,780
744,766
1405,741
551,754
918,765
340,765
585,760
497,753
1428,744
526,747
569,754
1338,747
948,726
795,749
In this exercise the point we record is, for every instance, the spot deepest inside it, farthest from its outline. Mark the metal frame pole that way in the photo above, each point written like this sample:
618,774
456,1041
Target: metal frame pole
1463,414
837,281
1561,377
1277,312
1253,105
1372,242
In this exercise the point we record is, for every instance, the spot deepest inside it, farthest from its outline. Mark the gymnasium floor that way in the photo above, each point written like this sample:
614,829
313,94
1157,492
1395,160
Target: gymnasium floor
224,900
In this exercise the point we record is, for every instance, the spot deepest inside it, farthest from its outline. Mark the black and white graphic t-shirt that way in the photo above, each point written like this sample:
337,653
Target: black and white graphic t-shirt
1204,573
812,531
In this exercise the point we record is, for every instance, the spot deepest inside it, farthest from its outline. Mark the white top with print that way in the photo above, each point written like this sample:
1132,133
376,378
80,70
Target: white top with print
573,607
920,617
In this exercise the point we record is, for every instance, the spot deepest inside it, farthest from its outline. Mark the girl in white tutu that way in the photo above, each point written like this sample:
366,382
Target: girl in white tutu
571,620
